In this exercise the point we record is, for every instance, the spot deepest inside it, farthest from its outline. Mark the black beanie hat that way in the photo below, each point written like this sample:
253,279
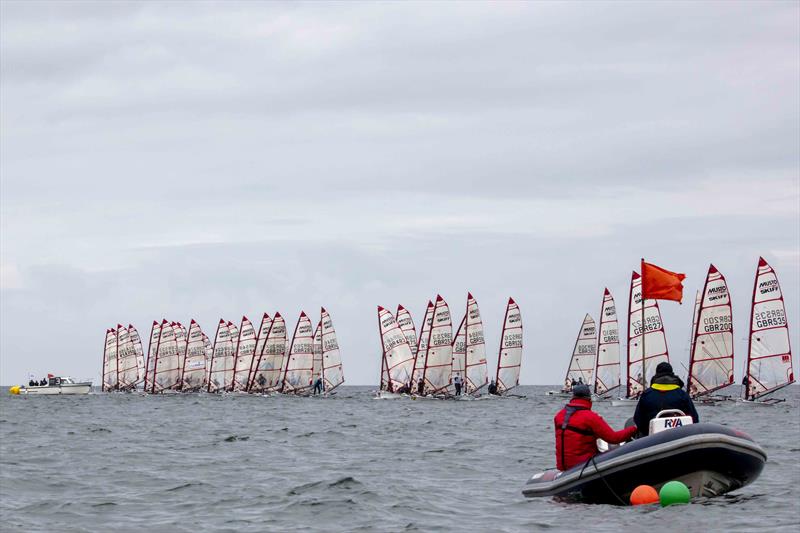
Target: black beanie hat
664,368
581,391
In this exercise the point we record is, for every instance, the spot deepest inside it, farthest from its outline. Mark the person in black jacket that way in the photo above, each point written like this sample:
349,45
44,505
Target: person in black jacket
665,392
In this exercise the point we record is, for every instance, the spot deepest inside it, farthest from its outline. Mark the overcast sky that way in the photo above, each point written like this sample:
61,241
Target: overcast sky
201,160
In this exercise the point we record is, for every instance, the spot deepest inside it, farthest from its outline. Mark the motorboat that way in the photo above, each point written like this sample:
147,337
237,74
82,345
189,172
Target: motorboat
709,458
55,385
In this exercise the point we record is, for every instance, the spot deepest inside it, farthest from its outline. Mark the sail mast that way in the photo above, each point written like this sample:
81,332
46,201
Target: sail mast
119,326
105,363
214,355
155,361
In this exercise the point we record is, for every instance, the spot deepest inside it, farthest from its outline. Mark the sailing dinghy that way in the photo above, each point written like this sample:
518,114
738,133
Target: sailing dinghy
137,346
606,379
127,372
421,347
711,356
220,376
509,358
459,354
581,365
243,360
438,355
110,365
269,369
476,372
166,371
769,354
300,362
396,356
261,339
332,373
193,375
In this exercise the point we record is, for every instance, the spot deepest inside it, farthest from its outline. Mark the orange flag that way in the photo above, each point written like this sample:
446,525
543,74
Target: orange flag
661,284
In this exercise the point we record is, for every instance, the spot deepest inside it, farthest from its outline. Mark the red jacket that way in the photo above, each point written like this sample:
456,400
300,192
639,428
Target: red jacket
583,429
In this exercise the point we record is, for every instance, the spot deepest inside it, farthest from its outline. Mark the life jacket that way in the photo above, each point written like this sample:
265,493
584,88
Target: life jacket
570,410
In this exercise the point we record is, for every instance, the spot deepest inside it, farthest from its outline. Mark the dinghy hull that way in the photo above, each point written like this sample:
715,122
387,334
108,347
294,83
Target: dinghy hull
710,459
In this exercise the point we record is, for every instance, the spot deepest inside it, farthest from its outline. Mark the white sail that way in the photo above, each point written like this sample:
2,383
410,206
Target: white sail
128,372
581,364
642,367
422,345
244,355
269,372
137,346
406,324
110,361
258,353
300,361
711,358
769,356
509,359
397,357
608,365
180,339
221,373
438,356
167,373
152,348
332,373
476,371
316,367
459,353
194,362
234,338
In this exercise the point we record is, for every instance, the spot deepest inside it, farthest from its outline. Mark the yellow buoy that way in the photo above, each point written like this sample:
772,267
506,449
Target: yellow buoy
14,389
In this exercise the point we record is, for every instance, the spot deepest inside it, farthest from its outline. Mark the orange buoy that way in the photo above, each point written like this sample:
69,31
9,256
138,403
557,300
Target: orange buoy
643,495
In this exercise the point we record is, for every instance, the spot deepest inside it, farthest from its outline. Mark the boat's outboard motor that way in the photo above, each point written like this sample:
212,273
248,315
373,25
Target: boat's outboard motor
668,419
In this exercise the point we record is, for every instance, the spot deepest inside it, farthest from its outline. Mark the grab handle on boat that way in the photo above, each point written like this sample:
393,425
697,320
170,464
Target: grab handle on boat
670,412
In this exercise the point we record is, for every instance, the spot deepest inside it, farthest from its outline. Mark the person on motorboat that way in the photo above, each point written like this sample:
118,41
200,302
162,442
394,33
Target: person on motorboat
492,388
665,392
578,428
31,383
42,383
457,384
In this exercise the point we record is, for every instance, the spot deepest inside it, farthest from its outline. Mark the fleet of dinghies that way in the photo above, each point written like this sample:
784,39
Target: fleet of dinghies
595,357
434,363
431,363
242,359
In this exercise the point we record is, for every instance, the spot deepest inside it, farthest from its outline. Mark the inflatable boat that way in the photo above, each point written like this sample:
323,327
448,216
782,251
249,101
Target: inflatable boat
710,459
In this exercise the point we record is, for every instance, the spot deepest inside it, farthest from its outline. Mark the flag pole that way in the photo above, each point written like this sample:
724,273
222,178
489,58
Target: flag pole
644,331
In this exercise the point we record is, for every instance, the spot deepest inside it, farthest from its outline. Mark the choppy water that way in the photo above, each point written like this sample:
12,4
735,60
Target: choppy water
242,463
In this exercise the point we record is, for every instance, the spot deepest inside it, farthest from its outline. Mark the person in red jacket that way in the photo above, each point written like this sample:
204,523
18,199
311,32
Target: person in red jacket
578,428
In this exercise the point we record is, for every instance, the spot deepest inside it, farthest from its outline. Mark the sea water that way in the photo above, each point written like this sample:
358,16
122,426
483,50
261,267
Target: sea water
236,462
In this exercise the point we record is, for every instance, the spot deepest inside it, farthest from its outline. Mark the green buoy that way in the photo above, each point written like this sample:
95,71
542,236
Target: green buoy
674,492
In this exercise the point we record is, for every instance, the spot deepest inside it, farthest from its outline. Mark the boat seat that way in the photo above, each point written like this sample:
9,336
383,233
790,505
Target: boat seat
669,419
